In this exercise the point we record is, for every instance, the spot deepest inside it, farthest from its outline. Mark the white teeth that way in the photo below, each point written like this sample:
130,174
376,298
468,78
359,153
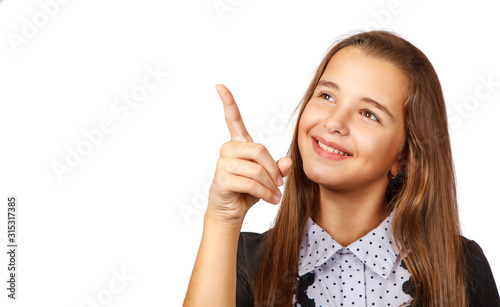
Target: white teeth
331,149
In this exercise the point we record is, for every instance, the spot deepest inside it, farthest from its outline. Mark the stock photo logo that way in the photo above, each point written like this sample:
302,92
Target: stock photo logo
115,286
222,7
94,137
31,27
484,89
383,17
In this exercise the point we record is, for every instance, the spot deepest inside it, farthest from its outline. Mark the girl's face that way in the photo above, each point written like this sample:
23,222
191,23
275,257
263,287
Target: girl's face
358,106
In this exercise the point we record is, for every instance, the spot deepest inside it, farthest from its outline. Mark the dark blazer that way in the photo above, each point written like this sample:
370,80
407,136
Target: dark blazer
251,246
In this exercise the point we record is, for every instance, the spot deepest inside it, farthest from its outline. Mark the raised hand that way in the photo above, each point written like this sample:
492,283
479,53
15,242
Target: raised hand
245,172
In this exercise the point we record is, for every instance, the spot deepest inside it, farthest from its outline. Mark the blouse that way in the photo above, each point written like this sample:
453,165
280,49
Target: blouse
368,272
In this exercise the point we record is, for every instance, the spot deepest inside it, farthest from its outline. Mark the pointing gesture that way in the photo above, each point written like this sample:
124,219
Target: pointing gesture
232,115
246,171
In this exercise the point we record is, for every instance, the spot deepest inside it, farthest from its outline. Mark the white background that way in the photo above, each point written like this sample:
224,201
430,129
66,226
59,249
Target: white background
120,210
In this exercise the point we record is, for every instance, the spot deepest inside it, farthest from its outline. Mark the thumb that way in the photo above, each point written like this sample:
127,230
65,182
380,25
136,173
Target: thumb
284,165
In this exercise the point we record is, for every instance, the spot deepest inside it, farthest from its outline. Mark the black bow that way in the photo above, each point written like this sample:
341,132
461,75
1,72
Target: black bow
304,282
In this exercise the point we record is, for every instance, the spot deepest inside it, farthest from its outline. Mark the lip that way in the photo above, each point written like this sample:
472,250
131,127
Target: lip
327,154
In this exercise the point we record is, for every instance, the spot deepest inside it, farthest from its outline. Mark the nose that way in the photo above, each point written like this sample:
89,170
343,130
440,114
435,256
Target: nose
337,121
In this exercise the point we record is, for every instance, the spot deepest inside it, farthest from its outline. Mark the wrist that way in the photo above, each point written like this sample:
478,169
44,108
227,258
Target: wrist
221,221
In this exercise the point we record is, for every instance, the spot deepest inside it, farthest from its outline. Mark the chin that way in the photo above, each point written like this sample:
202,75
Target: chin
317,174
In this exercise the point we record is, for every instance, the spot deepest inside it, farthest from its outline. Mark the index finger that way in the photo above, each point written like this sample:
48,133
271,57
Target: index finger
232,115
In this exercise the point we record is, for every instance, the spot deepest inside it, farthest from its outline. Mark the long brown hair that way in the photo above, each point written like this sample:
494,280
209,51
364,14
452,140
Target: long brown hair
426,224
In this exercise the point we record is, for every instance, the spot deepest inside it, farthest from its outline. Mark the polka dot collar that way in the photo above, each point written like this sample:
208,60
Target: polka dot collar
376,249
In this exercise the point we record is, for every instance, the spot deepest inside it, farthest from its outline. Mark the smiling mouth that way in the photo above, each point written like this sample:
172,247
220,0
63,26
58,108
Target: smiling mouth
329,149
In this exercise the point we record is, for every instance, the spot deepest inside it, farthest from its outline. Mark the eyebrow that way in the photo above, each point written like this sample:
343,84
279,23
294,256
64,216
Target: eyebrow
364,99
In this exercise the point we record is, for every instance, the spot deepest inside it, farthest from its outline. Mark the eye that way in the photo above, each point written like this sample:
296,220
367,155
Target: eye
371,115
325,95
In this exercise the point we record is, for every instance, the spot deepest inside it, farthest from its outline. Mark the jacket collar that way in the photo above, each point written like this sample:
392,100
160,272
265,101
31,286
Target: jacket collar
377,249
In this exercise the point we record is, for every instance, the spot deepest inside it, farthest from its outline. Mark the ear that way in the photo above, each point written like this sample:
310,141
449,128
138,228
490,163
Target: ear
399,166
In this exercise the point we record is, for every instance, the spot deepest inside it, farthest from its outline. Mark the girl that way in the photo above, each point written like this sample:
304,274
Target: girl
369,212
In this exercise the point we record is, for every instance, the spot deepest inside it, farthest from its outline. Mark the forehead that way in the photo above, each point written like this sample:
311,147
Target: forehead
366,76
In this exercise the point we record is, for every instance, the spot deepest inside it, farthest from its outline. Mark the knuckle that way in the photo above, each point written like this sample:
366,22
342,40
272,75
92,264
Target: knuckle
254,151
222,181
220,163
225,148
251,185
259,170
232,166
259,148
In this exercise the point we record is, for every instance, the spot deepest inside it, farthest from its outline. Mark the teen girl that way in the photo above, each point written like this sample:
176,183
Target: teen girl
369,214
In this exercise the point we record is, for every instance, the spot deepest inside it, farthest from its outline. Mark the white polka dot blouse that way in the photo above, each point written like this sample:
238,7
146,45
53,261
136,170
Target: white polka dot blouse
368,272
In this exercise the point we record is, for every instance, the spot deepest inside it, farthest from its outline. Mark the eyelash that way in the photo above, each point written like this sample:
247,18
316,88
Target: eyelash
322,94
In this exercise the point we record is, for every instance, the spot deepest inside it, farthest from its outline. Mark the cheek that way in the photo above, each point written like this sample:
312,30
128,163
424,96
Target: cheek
381,147
304,123
310,117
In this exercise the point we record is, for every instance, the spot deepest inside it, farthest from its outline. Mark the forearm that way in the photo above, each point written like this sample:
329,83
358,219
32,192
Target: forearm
213,281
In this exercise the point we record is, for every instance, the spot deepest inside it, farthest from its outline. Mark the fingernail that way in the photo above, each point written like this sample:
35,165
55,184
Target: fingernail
276,198
280,181
278,193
